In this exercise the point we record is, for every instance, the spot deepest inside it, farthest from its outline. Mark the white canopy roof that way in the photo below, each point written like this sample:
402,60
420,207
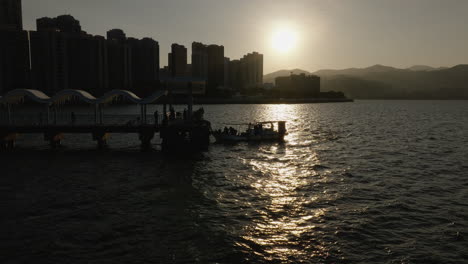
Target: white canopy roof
18,96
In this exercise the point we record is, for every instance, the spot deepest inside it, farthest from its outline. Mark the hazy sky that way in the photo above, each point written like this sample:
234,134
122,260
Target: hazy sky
330,33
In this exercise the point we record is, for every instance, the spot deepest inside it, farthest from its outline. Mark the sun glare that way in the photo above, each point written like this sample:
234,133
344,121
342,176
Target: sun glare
284,40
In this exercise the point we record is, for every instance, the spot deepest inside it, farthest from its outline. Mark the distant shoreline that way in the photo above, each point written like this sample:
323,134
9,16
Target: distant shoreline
214,101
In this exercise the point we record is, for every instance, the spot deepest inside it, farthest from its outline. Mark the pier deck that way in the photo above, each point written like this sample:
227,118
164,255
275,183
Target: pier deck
78,129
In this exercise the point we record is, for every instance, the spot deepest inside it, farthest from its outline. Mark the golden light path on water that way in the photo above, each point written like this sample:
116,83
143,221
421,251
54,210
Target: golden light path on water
284,220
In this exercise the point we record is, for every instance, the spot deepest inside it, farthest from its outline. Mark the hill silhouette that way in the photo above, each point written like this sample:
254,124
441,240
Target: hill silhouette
384,82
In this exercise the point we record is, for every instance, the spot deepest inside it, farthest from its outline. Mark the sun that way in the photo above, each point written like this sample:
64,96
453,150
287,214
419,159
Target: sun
284,40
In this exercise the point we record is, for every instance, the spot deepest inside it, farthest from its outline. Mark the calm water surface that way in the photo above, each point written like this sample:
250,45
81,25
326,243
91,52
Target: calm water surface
364,182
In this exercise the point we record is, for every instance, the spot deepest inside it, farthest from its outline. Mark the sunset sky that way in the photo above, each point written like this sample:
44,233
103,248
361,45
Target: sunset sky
304,34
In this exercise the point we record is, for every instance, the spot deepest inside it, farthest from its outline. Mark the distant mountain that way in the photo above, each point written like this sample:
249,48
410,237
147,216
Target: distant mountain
425,68
450,83
421,68
356,71
270,78
384,82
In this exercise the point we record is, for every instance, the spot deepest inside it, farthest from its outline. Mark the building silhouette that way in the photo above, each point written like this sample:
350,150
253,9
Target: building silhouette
235,79
65,57
246,73
60,55
14,48
215,78
144,65
178,61
252,70
63,23
199,60
11,17
301,85
227,76
208,63
86,65
117,35
48,61
14,60
119,60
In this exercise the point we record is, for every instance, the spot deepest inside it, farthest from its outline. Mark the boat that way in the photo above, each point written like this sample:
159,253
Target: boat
255,132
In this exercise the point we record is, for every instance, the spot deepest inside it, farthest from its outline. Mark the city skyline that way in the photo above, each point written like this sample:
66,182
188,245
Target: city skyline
330,34
62,55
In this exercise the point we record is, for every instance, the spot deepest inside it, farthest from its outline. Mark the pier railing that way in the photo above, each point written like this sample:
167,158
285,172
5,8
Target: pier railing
40,119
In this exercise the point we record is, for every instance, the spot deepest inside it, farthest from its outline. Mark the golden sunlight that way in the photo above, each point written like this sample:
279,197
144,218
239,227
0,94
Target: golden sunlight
284,40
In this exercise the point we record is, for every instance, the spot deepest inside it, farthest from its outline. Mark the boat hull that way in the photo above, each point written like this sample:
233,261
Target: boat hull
252,138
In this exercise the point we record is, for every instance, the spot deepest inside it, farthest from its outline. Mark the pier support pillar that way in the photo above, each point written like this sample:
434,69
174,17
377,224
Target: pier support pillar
145,136
55,138
101,138
8,142
9,114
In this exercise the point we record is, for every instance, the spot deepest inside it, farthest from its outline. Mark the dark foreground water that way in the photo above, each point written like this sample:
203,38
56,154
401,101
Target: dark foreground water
364,182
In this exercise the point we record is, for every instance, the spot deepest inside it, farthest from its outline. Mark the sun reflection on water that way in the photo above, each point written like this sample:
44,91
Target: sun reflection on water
282,172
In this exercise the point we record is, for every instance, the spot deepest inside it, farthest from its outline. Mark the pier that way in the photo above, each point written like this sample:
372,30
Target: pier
177,132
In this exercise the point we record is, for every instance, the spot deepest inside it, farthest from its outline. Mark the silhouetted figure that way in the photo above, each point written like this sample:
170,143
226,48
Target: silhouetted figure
73,118
156,117
40,118
165,121
185,114
172,114
198,115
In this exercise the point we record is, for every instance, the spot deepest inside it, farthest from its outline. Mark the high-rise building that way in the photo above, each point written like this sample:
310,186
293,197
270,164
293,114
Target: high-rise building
178,61
227,76
14,60
119,61
252,70
208,63
63,23
199,60
246,73
48,61
215,78
87,63
11,17
145,65
14,47
65,57
117,35
235,77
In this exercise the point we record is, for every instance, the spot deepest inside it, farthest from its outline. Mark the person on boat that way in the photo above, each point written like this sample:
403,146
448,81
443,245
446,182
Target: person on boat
232,131
226,131
256,130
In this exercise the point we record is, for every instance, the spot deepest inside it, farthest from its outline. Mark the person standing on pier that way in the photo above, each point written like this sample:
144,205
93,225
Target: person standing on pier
156,118
73,118
172,115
